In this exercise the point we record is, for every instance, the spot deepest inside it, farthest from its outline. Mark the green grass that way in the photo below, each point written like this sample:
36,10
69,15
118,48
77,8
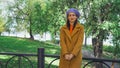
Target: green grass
27,46
21,45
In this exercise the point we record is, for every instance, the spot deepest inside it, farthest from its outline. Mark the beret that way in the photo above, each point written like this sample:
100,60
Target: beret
74,11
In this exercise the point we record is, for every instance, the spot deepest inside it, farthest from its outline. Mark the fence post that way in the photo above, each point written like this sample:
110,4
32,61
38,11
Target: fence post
41,58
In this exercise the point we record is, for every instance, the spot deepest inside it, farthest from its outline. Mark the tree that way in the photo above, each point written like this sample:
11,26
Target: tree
20,14
1,26
97,14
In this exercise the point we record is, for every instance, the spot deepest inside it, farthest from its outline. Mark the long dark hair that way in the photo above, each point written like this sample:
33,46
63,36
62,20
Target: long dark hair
68,24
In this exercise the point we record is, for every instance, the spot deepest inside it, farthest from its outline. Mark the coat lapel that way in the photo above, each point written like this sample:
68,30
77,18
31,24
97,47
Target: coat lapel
76,29
67,32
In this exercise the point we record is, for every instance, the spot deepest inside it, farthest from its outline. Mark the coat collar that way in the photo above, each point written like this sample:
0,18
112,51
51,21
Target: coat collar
74,31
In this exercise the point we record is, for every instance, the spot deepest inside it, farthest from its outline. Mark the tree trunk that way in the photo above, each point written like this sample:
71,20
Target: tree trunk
97,43
85,44
31,36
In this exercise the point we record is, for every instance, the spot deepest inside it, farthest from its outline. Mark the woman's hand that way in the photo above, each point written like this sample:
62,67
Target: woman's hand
69,56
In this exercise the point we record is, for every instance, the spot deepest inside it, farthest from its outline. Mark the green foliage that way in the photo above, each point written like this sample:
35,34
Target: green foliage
116,39
16,16
40,19
110,52
109,49
37,16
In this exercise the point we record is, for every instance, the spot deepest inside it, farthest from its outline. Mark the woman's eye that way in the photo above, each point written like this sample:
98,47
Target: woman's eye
71,15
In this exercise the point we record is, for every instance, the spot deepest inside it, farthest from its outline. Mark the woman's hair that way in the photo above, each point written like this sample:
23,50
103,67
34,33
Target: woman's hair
68,24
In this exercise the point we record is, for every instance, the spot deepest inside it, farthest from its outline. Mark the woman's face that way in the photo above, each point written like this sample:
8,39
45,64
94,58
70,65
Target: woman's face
72,17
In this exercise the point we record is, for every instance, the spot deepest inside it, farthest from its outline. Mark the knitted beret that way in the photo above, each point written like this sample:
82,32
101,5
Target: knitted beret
74,11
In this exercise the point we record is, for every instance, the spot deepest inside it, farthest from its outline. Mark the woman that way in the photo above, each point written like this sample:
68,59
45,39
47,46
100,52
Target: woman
71,39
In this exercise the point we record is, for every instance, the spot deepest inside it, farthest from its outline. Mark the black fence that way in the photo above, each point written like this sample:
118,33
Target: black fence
41,60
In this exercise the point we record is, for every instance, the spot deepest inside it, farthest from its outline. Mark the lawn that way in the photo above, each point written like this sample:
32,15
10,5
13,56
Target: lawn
27,46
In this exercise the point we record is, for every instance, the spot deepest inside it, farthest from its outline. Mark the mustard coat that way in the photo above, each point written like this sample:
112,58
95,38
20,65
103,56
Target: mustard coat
71,44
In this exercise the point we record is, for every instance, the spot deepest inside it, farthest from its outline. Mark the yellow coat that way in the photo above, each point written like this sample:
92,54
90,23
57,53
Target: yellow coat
71,44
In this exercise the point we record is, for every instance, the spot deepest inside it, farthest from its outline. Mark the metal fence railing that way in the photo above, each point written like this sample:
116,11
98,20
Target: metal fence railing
41,60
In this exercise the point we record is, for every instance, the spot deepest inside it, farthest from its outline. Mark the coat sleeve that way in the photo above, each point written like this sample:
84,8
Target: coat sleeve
62,42
78,45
